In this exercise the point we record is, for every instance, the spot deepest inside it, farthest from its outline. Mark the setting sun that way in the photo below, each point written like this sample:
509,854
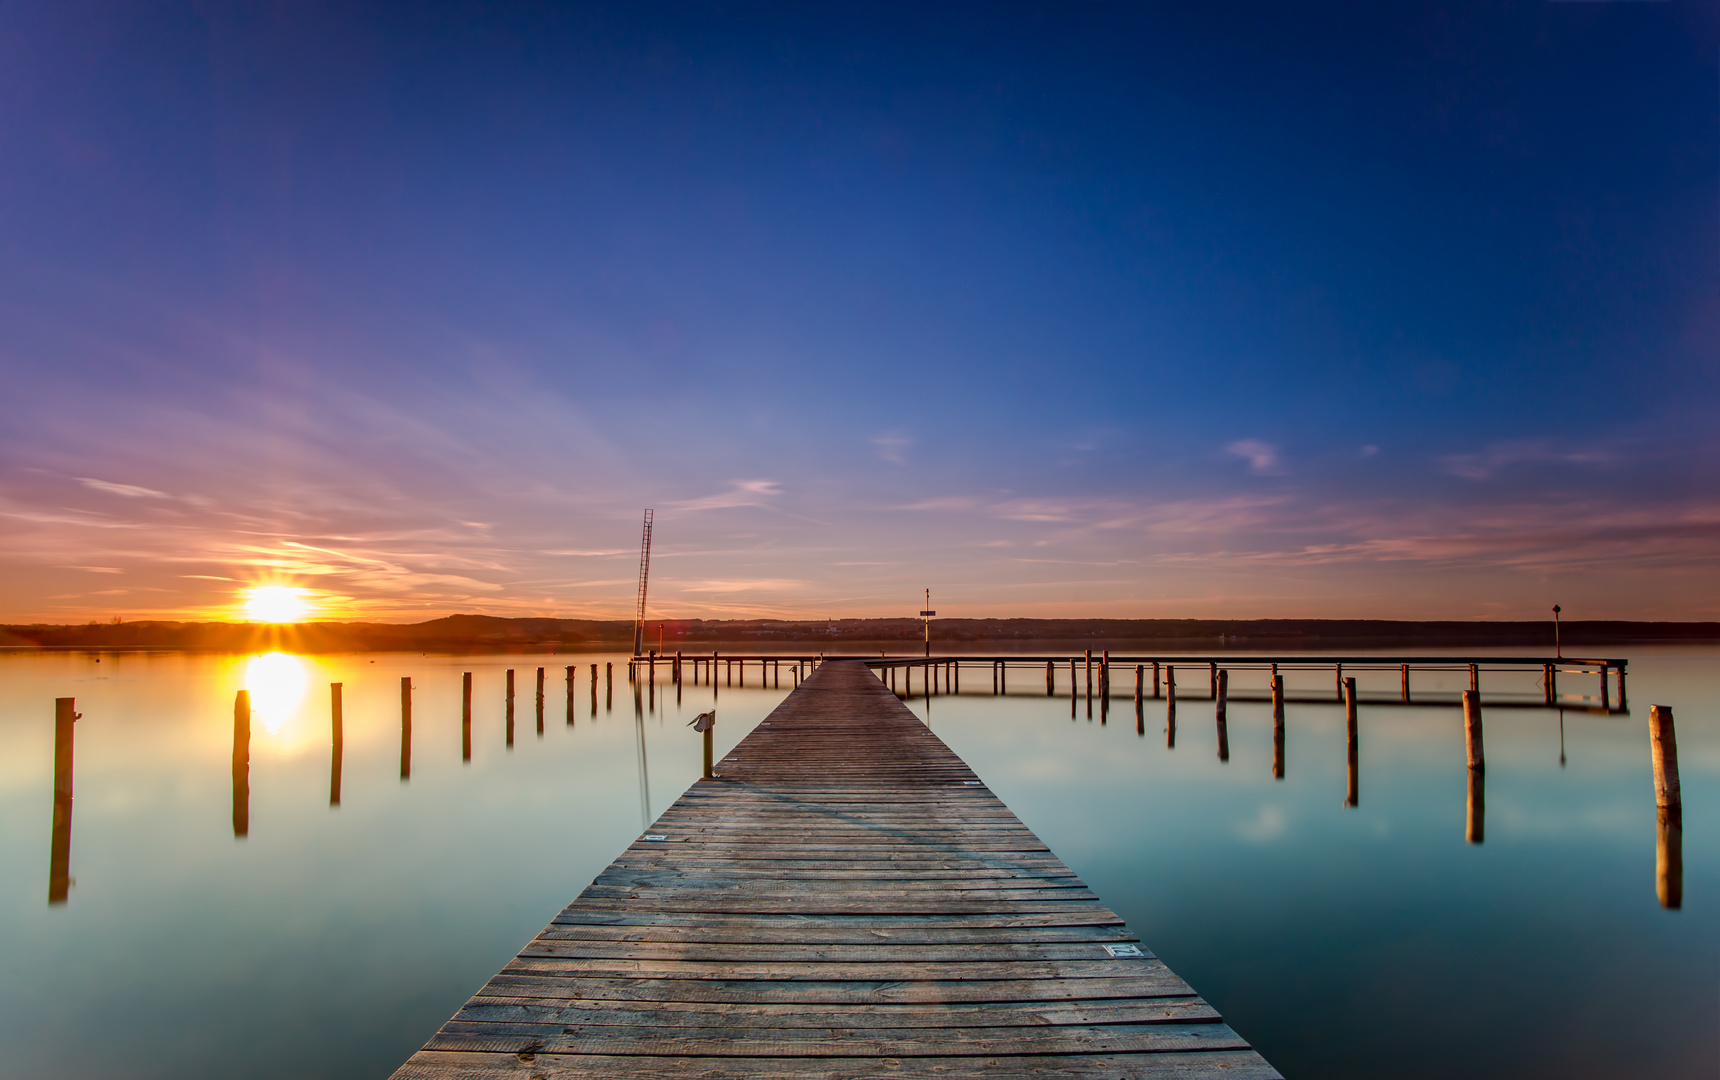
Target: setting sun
276,603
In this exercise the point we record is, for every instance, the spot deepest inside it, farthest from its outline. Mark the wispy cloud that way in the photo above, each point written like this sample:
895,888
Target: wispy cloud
1500,456
1262,457
892,446
740,493
130,491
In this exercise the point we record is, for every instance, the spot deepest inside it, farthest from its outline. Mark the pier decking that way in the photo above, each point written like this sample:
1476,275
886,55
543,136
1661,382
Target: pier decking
847,899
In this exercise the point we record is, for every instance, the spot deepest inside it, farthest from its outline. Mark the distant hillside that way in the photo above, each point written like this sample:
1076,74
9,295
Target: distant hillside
455,632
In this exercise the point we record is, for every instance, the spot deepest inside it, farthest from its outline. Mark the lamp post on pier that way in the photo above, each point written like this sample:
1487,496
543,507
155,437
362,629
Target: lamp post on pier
926,615
1558,651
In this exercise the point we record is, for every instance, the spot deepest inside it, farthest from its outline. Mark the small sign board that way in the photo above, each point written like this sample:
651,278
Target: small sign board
927,614
655,836
1124,950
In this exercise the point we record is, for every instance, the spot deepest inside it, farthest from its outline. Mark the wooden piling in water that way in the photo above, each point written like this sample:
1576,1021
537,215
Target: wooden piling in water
1472,730
1663,749
1212,679
405,727
1404,671
1155,678
1606,688
1140,683
1050,678
510,708
466,717
1475,677
1668,808
60,835
570,670
1353,797
337,743
1549,681
1340,675
242,763
1277,726
540,702
1221,692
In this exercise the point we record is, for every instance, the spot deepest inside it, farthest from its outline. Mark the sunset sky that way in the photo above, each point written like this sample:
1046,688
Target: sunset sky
1123,310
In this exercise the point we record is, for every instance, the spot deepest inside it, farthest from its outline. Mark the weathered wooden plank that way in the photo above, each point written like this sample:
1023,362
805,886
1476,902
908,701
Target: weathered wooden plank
1210,1065
560,1011
867,1042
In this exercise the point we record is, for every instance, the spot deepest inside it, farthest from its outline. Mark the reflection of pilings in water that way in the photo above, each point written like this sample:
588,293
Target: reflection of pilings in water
540,703
1476,829
405,727
337,743
1669,808
1354,796
60,839
1221,692
1669,857
466,717
644,770
1277,726
1087,670
242,763
651,692
1170,707
1561,738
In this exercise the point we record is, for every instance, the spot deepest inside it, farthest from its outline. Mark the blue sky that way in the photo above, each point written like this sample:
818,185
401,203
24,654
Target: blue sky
1128,310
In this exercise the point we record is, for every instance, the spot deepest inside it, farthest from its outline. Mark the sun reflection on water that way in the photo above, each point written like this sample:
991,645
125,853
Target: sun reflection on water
277,682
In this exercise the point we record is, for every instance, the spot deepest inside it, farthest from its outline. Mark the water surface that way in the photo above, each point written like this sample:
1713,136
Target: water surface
331,940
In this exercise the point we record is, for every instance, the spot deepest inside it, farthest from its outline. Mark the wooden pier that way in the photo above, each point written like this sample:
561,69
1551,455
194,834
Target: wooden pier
846,899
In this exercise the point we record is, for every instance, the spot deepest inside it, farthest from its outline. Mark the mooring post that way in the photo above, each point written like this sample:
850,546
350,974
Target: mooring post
1547,682
1668,808
510,707
405,727
1663,746
1606,702
1087,670
466,717
1277,727
608,677
570,695
1621,699
60,836
1212,678
1221,692
1155,678
1340,675
1050,678
242,763
337,743
540,701
1472,730
1353,798
1404,671
1475,677
1140,682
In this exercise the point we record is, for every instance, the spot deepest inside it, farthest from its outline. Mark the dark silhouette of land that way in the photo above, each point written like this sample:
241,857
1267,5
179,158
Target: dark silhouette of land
465,632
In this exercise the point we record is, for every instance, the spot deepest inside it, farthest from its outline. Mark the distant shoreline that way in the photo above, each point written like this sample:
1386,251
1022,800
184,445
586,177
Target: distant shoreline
699,635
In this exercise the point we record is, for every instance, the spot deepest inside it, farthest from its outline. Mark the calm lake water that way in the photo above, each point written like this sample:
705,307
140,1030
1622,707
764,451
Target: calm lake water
1343,941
